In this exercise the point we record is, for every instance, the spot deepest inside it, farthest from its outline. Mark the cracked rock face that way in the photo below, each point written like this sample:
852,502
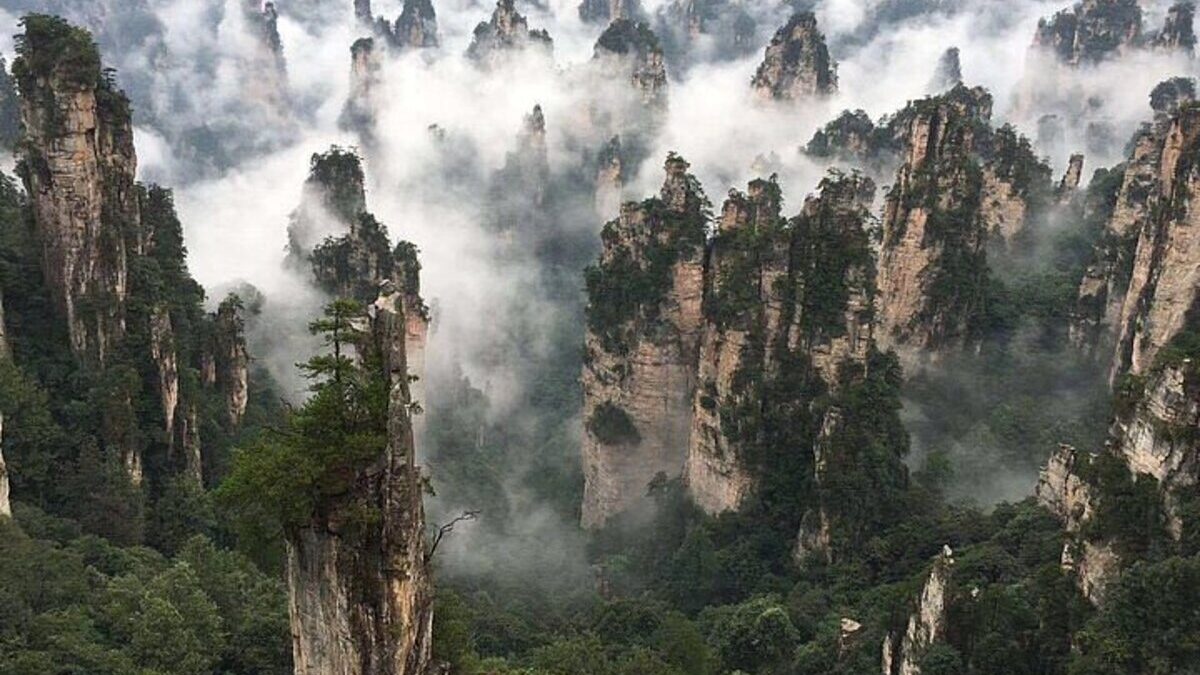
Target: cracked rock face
5,503
797,64
926,625
630,50
361,601
638,376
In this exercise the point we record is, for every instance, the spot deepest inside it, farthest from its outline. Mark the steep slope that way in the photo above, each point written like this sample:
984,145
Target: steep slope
644,316
360,594
796,65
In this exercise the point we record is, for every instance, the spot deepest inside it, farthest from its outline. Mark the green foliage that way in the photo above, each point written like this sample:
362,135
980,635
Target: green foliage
52,48
1149,623
1128,510
286,476
630,283
87,606
611,425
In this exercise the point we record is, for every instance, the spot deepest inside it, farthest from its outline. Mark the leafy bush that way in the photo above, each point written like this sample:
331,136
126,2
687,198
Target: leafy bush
611,425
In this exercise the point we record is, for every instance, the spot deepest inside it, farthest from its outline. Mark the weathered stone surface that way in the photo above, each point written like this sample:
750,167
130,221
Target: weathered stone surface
797,64
630,51
507,32
640,380
166,362
778,268
417,25
232,361
610,178
926,625
1165,281
1091,31
360,599
1071,177
79,175
1178,31
931,213
365,67
5,501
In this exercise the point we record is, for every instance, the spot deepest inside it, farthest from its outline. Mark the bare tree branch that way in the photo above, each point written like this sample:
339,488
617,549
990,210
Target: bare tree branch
447,529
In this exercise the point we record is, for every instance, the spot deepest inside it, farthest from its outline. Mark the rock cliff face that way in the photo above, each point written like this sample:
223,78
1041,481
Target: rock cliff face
1165,282
1091,31
416,26
961,187
777,294
797,64
604,11
1138,307
1144,279
926,625
1071,177
366,64
266,65
506,33
361,598
231,361
639,364
79,167
1178,32
631,51
610,178
5,504
712,30
932,226
355,257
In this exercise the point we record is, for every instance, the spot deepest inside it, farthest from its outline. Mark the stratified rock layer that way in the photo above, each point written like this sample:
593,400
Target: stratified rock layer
361,599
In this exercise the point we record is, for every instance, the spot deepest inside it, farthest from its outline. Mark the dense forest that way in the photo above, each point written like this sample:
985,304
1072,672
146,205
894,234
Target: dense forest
610,338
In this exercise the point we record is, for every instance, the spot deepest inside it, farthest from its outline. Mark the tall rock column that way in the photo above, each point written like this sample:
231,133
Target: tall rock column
797,64
931,268
644,319
361,599
78,168
5,503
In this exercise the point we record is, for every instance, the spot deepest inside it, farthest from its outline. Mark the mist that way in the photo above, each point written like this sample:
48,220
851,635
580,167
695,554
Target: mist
507,317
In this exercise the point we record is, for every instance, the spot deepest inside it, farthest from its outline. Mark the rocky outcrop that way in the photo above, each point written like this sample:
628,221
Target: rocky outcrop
362,11
797,65
1164,285
356,256
506,33
961,188
765,313
1071,177
712,30
1091,31
360,596
610,178
266,66
932,228
231,360
1178,32
78,169
5,501
1065,492
1160,436
366,65
639,365
949,72
927,624
630,51
416,27
166,361
604,11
